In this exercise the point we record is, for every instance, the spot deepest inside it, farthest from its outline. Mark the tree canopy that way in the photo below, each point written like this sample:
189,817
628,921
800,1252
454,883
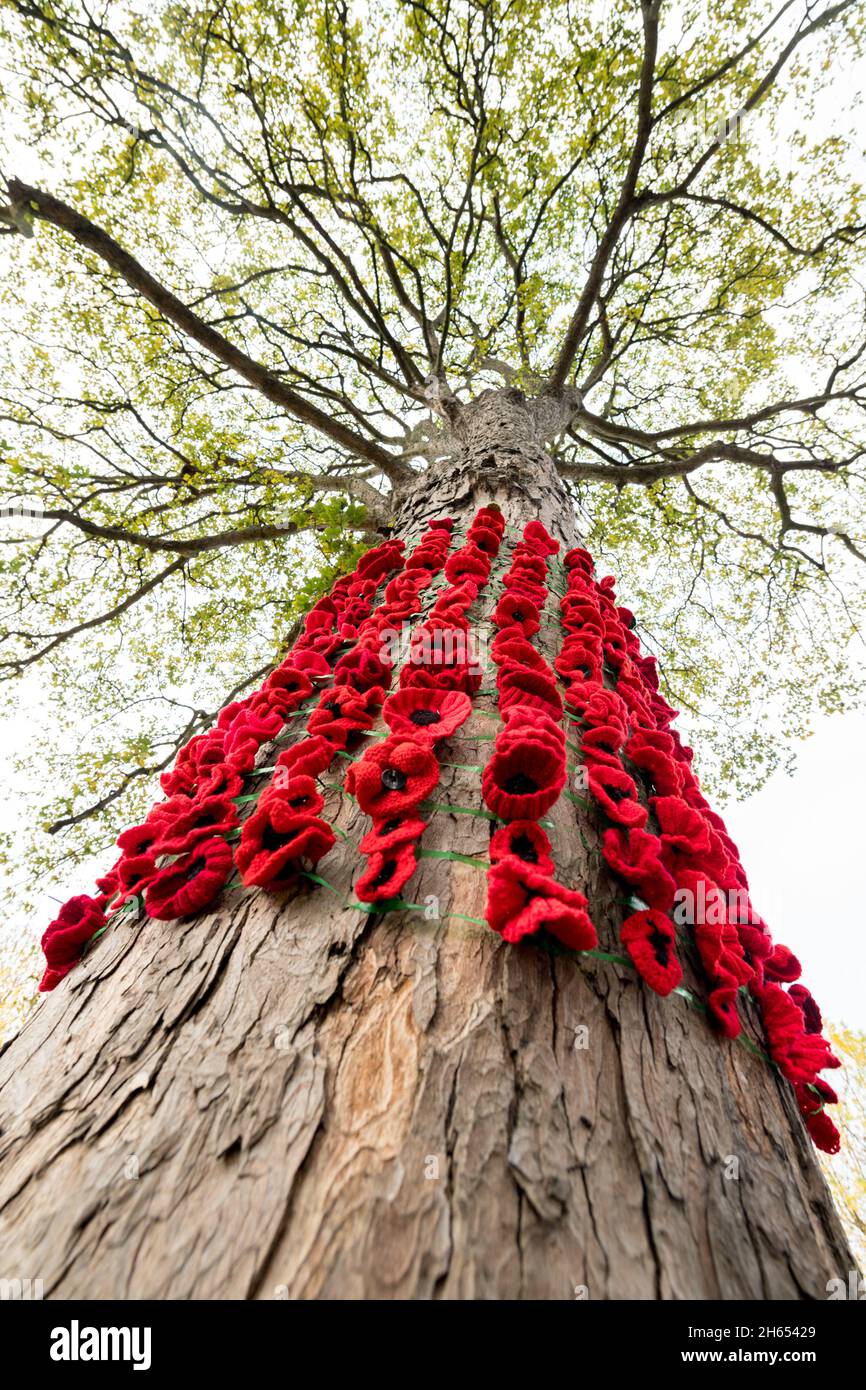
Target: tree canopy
255,257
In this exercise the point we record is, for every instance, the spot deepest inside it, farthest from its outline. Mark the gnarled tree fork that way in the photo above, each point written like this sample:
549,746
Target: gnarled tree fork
282,284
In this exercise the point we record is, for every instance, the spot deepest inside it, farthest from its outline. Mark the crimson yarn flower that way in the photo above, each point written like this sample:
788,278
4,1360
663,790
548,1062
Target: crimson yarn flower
540,538
517,612
467,563
183,823
386,873
309,756
799,1055
523,840
510,645
189,884
362,669
650,940
389,832
283,833
518,685
426,714
521,900
64,939
616,794
805,1001
394,776
523,781
635,855
782,965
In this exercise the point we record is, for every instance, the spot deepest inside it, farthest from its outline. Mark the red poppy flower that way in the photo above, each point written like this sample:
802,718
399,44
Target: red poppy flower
278,838
291,679
799,1055
523,840
660,768
805,1001
616,794
579,559
190,883
140,839
598,706
64,939
460,676
517,612
538,536
518,720
782,965
426,714
309,756
362,669
311,664
394,776
401,829
183,823
636,856
524,781
604,739
521,900
822,1131
381,560
581,666
386,873
134,872
484,539
722,1003
490,516
343,713
517,685
467,563
511,645
650,940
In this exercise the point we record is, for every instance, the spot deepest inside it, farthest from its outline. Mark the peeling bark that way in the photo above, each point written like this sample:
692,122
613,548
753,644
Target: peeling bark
283,1098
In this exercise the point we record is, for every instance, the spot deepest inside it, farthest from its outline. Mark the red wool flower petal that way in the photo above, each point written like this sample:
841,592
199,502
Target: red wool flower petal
805,1001
782,965
401,829
722,1003
183,823
191,883
522,901
616,794
64,939
519,686
636,856
798,1054
308,757
524,781
514,611
394,776
523,840
426,714
650,940
283,834
386,873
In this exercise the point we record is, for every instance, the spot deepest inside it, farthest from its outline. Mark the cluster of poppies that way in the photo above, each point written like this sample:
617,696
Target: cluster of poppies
179,858
665,841
526,772
433,699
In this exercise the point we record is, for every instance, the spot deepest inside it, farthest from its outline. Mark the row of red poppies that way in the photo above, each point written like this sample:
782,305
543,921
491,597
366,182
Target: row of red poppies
689,858
203,786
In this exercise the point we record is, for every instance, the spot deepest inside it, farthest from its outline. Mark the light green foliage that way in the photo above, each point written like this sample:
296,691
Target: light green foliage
362,198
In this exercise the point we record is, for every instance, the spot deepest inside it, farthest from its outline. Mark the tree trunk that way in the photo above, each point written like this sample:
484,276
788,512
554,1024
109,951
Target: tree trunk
282,1098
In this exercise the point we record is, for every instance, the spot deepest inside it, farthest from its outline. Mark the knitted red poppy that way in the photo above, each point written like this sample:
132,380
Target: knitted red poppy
510,645
616,794
805,1001
636,856
140,839
64,939
539,537
403,828
484,539
282,835
523,781
517,685
523,840
782,965
183,823
599,706
386,873
580,665
309,756
822,1131
660,769
579,559
650,940
517,612
134,872
362,669
467,563
189,884
393,776
490,516
604,738
426,714
343,713
798,1054
722,1004
521,900
291,678
461,676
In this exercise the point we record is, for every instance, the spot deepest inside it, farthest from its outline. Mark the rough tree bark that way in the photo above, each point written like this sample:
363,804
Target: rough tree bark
283,1098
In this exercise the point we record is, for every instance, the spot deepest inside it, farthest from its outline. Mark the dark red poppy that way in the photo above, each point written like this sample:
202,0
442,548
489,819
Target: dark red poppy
490,516
393,776
426,714
823,1133
722,1004
580,560
511,645
279,838
291,679
538,536
140,839
362,669
603,743
636,856
190,883
517,612
597,706
465,676
523,840
524,781
521,900
661,770
616,794
581,666
386,873
343,713
484,539
650,940
64,939
805,1001
467,563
